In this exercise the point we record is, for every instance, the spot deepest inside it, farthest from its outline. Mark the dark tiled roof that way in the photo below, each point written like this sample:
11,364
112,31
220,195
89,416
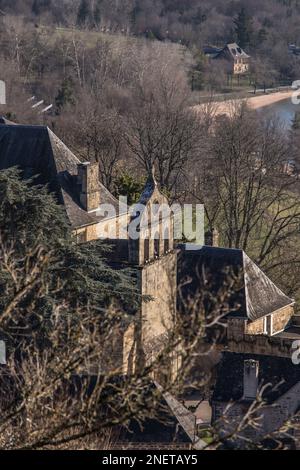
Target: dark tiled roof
253,294
38,151
211,51
234,51
279,372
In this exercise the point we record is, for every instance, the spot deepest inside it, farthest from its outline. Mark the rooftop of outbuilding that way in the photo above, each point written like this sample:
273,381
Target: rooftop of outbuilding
252,294
36,150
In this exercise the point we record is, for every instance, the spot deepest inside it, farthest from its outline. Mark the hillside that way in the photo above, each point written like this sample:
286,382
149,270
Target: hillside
264,28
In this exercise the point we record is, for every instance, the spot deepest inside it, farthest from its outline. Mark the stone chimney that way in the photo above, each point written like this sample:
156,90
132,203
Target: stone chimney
251,369
212,237
89,188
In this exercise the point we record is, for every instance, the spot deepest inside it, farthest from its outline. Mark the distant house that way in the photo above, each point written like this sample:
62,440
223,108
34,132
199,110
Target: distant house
233,54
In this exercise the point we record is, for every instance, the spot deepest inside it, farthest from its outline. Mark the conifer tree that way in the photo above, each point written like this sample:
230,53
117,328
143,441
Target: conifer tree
97,13
243,28
83,13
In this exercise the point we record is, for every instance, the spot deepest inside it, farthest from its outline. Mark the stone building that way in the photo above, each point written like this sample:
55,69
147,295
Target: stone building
257,340
257,321
237,59
36,150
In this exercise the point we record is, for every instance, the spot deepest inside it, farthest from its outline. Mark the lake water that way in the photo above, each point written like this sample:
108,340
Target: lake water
284,110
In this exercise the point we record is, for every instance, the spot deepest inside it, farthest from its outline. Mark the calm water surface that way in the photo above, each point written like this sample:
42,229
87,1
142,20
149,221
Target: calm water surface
284,110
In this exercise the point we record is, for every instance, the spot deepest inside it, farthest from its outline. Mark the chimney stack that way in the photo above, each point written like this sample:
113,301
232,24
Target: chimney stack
89,188
212,237
251,369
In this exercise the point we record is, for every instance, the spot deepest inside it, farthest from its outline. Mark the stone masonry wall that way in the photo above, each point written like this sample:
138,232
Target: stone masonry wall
158,280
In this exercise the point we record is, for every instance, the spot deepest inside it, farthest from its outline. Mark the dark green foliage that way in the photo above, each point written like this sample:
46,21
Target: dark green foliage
64,95
43,269
97,13
243,28
83,14
39,6
197,72
128,185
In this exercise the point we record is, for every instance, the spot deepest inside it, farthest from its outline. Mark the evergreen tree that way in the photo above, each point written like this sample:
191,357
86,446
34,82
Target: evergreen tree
128,185
97,13
64,95
39,6
83,13
243,28
35,230
36,7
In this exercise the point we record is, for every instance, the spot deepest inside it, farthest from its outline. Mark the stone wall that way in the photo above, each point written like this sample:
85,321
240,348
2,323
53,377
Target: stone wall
158,280
148,334
255,327
236,329
268,345
106,230
281,318
250,337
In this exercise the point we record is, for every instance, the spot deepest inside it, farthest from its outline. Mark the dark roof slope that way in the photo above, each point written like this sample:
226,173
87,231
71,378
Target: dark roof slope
253,294
38,151
279,372
233,51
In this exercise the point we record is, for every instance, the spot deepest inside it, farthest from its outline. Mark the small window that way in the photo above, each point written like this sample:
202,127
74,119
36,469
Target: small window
166,245
147,249
156,247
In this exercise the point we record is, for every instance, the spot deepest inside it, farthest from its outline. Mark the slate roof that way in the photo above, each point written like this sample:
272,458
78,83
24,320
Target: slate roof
253,294
211,51
279,372
234,51
38,151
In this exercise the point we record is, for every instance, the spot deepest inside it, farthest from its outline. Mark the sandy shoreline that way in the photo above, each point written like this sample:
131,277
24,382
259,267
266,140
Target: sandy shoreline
258,102
255,102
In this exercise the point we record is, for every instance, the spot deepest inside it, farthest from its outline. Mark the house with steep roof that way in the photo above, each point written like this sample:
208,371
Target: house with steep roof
259,329
237,59
254,304
36,150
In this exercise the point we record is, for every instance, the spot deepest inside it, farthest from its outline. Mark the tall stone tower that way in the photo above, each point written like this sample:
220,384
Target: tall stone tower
152,252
